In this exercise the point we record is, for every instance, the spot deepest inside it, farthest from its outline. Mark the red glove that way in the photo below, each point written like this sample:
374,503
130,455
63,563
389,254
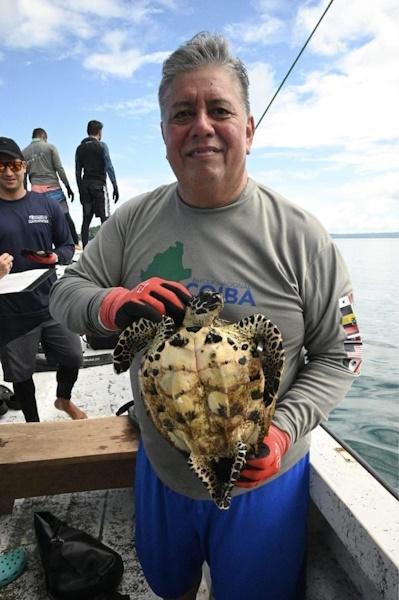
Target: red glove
42,257
150,299
268,461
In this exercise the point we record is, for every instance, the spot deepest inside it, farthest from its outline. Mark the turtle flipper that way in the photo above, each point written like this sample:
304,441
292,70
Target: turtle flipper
269,345
219,490
202,467
132,339
165,329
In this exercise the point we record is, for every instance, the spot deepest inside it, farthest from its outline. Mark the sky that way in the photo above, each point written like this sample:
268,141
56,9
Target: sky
329,142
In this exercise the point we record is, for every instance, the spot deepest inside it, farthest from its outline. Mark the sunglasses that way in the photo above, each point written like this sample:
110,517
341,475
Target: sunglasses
15,165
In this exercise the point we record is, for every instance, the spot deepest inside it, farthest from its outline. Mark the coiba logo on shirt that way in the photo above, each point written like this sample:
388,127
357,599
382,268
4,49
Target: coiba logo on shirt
169,264
38,219
233,293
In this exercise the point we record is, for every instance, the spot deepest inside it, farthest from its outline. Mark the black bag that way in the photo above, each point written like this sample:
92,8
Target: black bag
77,566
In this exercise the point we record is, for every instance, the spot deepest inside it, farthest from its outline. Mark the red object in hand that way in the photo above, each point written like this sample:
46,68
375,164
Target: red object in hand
268,461
42,257
150,299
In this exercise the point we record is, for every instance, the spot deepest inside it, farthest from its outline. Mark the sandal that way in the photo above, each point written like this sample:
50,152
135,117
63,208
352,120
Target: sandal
12,563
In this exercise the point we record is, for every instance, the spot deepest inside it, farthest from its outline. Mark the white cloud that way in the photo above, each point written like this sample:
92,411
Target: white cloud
100,8
344,23
332,140
132,108
368,158
265,32
262,86
62,23
267,6
361,204
39,23
119,59
352,98
370,204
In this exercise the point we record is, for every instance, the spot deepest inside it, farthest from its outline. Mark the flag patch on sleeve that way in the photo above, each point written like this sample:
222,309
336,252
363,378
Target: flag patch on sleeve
353,342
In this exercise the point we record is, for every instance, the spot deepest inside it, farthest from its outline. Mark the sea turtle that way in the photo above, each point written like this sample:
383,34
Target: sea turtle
210,387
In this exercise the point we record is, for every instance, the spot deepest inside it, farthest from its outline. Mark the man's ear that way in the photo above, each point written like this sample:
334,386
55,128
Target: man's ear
250,132
163,137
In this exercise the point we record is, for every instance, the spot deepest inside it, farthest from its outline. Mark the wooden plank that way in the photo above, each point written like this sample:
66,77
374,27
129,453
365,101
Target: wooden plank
61,478
40,459
6,504
67,441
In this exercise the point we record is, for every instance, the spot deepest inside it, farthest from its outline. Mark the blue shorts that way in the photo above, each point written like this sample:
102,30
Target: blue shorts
255,550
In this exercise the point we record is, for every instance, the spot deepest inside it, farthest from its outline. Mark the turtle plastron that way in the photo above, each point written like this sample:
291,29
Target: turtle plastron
209,387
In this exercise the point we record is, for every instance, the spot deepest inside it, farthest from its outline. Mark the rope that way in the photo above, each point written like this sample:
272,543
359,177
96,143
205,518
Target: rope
294,63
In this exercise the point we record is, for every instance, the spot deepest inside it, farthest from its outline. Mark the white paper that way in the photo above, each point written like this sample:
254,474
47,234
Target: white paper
18,282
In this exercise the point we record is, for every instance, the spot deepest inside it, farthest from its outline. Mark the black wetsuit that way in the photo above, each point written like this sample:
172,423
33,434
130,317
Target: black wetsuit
92,156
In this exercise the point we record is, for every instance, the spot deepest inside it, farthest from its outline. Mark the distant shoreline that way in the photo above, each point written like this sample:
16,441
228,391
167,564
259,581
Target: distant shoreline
392,234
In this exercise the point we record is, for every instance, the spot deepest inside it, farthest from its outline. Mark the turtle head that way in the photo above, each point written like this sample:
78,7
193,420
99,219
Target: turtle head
203,309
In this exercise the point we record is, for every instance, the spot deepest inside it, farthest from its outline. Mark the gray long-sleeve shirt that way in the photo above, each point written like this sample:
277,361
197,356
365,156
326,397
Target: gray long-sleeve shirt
44,164
266,256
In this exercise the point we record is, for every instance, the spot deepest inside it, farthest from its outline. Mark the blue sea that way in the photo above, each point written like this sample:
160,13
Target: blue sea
368,418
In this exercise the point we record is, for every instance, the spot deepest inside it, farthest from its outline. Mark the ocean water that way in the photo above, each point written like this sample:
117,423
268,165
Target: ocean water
368,418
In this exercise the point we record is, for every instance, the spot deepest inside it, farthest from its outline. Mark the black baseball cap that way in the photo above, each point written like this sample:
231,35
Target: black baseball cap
8,146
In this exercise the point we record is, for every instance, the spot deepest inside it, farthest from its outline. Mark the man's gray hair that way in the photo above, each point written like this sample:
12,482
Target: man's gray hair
203,50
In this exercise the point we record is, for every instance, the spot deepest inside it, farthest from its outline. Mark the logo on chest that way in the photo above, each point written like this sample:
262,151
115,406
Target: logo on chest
38,219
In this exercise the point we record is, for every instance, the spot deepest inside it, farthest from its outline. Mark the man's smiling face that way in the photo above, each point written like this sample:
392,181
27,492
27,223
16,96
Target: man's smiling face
12,181
207,135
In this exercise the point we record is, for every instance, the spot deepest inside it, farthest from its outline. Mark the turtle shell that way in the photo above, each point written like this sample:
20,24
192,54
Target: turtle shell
209,386
204,391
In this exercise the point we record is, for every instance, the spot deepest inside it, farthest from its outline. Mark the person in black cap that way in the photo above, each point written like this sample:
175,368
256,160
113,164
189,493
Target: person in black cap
34,232
92,157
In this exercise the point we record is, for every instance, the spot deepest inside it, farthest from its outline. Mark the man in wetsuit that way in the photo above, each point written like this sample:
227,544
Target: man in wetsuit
92,157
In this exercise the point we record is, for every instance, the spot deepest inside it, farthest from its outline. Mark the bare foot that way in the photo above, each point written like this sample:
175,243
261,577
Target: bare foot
70,408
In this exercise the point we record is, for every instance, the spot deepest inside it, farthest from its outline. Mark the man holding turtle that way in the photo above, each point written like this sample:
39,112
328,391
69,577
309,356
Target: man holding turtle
223,232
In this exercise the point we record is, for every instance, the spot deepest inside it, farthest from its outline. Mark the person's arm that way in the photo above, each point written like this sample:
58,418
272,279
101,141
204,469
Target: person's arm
96,295
78,169
110,170
59,169
108,165
57,164
333,358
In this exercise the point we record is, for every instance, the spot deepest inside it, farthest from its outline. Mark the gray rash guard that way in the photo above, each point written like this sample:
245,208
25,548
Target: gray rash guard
44,163
266,256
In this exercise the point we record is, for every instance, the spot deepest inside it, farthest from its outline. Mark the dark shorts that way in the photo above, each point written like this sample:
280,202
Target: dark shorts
60,346
94,199
255,550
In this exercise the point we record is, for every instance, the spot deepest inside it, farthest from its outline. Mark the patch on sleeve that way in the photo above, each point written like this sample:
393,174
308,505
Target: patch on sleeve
353,342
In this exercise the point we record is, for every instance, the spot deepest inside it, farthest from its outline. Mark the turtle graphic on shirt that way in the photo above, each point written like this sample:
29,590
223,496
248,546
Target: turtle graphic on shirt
210,387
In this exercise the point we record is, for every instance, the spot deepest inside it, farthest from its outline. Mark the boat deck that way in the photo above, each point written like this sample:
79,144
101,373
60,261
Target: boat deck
109,515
